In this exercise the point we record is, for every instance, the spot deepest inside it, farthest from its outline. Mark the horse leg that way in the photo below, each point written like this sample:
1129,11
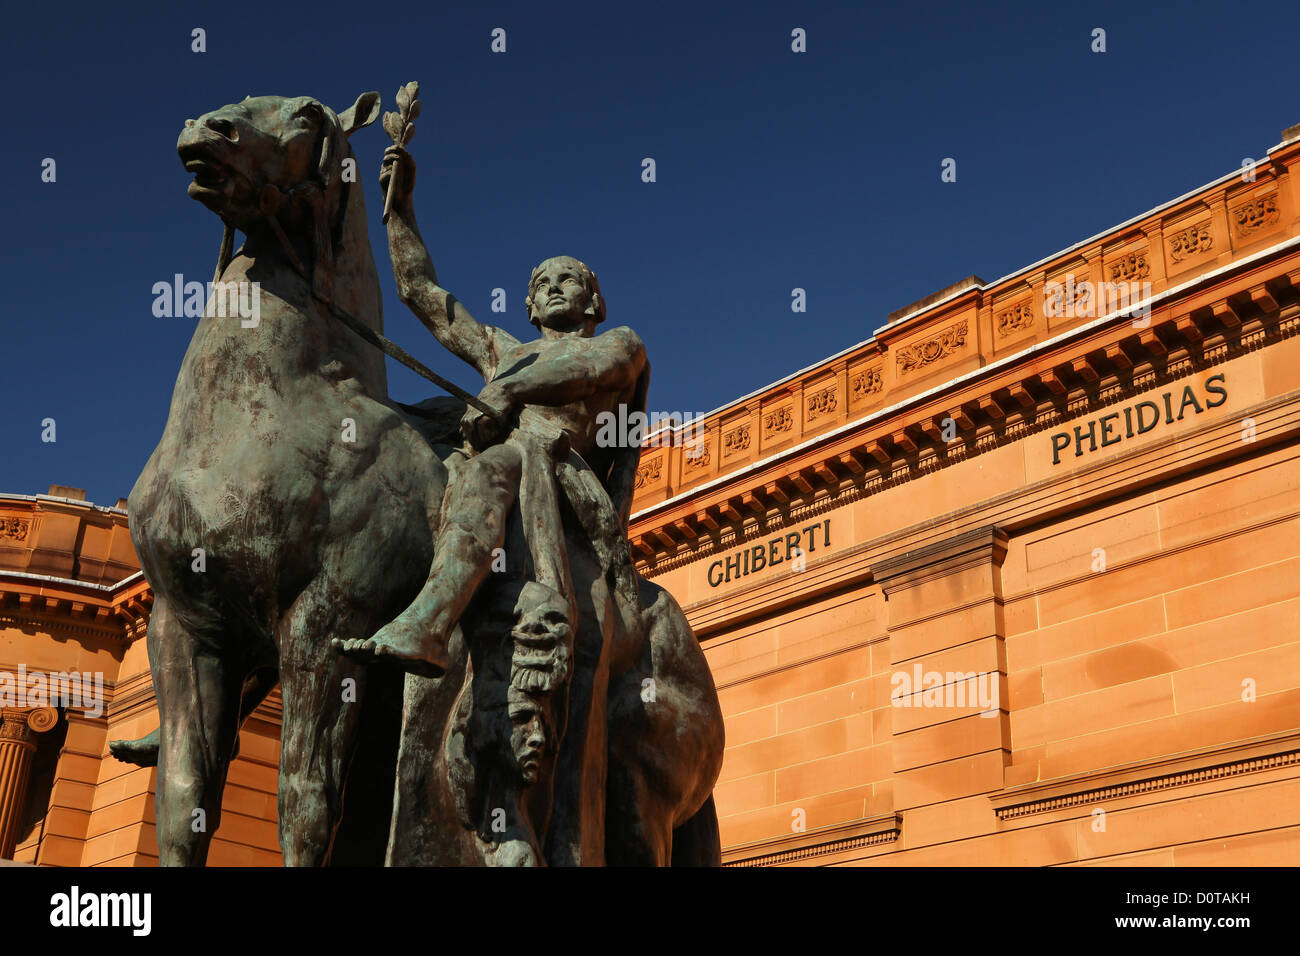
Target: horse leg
697,842
638,823
665,748
318,731
198,698
361,837
143,751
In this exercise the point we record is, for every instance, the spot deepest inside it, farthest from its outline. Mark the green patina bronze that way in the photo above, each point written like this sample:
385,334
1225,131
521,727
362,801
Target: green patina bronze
472,671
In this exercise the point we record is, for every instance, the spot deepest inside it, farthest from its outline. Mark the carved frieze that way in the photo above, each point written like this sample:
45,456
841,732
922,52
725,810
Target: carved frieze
1191,241
912,358
777,421
822,402
736,440
1015,319
647,473
867,382
695,456
1081,301
14,528
1130,267
1255,215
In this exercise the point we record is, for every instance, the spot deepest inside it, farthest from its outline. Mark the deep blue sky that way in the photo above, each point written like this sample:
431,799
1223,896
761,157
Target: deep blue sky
775,170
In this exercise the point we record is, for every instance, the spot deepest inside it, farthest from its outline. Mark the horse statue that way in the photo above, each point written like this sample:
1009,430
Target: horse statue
290,502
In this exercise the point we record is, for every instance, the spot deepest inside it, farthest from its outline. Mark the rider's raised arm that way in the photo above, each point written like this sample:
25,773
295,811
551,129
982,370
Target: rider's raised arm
417,284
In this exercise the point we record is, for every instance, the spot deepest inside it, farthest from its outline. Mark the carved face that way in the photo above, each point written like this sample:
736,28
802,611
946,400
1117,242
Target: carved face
560,296
543,622
541,638
240,150
529,727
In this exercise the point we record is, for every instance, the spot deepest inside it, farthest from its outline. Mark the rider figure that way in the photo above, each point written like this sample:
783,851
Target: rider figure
548,396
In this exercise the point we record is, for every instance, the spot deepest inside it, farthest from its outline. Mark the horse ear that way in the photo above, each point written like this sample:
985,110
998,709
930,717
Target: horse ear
361,113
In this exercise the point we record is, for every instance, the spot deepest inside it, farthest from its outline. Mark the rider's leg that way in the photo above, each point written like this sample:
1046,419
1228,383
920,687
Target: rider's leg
539,509
473,526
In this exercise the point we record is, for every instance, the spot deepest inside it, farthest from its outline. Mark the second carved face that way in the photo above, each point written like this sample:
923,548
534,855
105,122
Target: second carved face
528,734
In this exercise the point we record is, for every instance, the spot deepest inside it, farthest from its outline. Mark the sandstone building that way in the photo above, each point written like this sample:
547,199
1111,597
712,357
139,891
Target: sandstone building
1016,580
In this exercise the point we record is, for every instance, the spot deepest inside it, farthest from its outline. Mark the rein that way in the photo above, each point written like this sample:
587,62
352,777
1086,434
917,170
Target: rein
270,199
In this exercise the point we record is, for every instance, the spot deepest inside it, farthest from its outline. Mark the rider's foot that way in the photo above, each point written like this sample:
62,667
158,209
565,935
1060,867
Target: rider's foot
142,752
406,642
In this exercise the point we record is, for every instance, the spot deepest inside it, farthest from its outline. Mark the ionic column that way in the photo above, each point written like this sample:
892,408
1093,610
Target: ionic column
18,730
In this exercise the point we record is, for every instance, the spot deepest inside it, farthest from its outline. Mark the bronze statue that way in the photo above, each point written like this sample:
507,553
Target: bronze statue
252,470
556,386
558,711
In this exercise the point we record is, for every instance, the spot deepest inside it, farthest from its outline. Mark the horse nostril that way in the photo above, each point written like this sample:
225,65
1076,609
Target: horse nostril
189,124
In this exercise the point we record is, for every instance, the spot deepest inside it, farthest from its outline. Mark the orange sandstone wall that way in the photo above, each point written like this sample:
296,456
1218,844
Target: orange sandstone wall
980,515
88,612
1151,634
1127,591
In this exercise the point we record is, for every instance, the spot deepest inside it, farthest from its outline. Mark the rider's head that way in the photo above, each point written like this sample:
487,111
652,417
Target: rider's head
564,296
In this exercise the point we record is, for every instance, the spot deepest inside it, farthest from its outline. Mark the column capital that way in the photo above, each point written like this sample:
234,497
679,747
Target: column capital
22,725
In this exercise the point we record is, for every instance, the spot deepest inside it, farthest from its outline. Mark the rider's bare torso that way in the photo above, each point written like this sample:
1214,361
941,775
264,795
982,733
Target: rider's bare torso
580,420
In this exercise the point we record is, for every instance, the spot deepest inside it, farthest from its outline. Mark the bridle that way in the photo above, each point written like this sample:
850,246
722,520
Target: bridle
271,199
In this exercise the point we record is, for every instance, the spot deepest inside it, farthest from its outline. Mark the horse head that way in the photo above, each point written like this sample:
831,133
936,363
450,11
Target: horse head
281,165
282,171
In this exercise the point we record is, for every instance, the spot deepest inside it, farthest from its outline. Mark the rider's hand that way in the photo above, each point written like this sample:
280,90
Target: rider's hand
482,430
397,158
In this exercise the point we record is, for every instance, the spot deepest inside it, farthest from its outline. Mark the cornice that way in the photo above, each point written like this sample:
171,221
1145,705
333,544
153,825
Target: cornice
876,831
976,299
1220,306
119,611
878,455
1150,776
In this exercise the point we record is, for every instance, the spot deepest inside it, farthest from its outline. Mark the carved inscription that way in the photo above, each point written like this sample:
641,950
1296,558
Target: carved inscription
751,559
1138,419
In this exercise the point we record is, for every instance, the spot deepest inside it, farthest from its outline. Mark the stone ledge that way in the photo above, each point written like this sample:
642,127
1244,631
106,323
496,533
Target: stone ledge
1148,776
820,842
974,548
